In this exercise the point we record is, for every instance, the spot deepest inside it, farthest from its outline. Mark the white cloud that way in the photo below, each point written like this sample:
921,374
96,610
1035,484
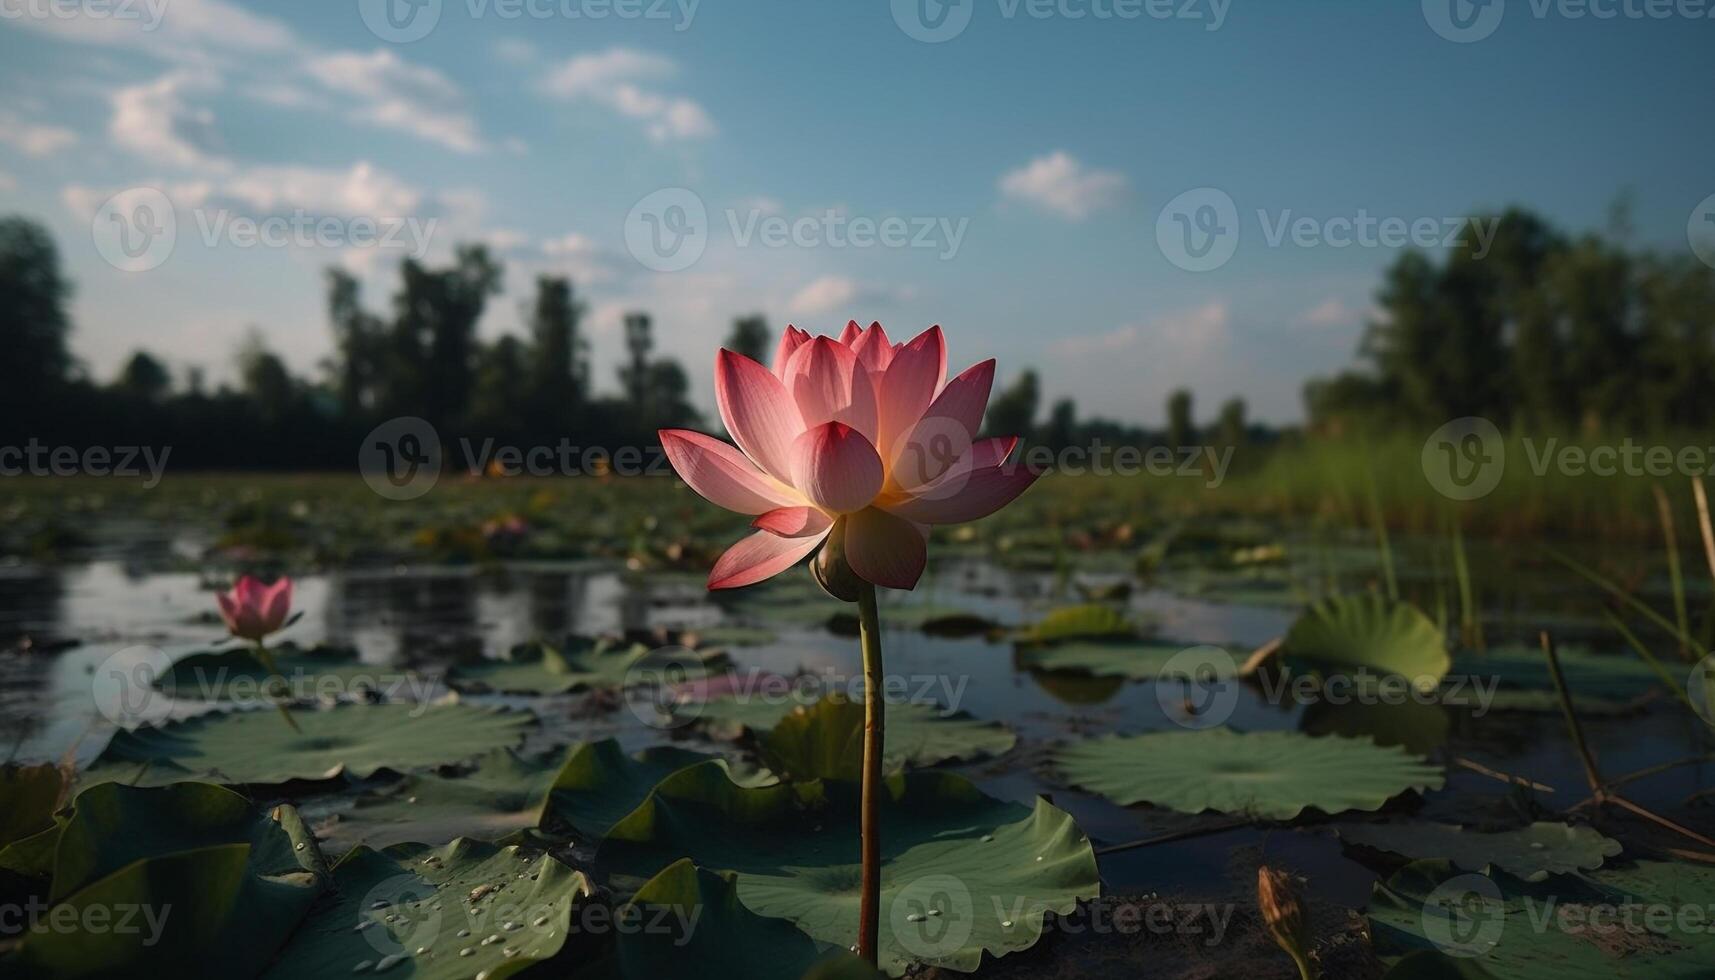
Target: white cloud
154,121
1330,313
614,78
1185,334
7,182
34,139
1059,185
515,51
829,294
179,31
395,94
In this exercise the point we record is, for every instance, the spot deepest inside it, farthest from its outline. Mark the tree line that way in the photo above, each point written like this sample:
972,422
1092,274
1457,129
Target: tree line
1547,330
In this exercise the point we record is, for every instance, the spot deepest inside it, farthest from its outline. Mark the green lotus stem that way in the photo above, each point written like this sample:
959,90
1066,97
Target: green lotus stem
267,660
869,636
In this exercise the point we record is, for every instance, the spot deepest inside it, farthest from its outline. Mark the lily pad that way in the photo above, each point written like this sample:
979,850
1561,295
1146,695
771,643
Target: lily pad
1267,775
448,913
696,924
1085,622
186,879
236,674
1605,924
963,874
1368,633
28,795
257,747
1530,854
825,740
1131,659
600,783
537,668
918,735
504,793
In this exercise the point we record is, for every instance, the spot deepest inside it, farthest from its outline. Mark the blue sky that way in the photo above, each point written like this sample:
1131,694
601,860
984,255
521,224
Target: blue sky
1051,144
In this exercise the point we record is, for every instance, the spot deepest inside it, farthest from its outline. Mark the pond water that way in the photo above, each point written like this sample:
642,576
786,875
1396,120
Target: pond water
89,619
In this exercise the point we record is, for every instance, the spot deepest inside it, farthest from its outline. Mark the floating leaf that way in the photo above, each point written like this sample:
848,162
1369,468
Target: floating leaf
1368,633
1531,854
258,747
1566,929
1133,659
537,668
28,795
825,740
962,873
1088,622
698,925
918,735
448,913
600,783
1268,775
185,879
505,793
237,674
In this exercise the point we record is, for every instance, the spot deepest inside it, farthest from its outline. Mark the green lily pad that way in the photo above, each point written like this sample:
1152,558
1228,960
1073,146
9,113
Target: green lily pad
1368,633
1267,775
588,786
236,673
1530,854
825,740
689,920
1087,622
962,873
505,793
537,668
257,747
186,879
1131,659
417,910
28,795
917,735
1627,923
600,783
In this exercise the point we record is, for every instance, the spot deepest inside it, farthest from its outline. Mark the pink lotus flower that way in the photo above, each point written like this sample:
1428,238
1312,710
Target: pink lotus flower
253,610
856,439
